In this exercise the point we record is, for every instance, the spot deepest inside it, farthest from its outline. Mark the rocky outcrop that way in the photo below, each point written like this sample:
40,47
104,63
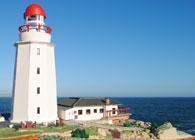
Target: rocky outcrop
143,124
168,132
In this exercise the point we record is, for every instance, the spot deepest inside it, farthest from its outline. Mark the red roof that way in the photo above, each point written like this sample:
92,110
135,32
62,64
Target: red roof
34,9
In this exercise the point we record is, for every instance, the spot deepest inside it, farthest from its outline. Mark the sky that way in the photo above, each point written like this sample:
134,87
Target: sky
115,48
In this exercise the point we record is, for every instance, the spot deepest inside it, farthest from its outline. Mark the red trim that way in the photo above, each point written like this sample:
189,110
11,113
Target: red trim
121,109
26,27
34,9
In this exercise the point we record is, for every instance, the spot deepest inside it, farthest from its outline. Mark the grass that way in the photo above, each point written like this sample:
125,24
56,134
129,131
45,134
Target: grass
127,132
58,129
11,132
92,131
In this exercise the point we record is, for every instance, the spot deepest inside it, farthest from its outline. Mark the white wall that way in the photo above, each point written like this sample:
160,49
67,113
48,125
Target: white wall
33,35
71,114
21,84
110,107
25,97
46,80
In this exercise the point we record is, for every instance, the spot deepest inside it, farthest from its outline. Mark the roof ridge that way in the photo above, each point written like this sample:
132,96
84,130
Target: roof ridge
76,101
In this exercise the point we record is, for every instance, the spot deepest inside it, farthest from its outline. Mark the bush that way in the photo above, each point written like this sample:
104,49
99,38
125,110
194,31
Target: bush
92,130
16,127
153,129
127,124
79,133
115,133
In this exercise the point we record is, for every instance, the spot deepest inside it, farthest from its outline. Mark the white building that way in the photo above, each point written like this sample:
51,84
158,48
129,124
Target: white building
87,109
34,88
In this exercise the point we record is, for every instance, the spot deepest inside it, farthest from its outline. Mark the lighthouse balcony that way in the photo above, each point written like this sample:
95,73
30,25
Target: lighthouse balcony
35,33
35,27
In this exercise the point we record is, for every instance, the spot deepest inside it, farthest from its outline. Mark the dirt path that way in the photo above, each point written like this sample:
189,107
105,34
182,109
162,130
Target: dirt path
24,137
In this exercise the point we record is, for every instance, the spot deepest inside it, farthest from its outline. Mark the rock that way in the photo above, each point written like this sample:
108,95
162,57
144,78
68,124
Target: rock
102,132
165,126
2,119
147,124
168,132
11,126
143,124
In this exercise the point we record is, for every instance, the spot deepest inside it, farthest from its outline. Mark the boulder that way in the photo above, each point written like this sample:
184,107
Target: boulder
2,119
102,132
143,124
168,132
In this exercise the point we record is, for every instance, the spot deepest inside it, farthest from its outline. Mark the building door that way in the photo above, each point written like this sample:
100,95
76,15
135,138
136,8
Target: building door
71,115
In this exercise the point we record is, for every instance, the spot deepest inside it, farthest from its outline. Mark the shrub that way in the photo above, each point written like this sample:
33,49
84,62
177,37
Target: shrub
92,130
153,128
79,133
126,124
115,133
16,127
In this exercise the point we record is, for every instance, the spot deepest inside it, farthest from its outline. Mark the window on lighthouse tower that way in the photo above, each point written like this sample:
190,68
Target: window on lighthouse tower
38,70
38,90
38,110
38,51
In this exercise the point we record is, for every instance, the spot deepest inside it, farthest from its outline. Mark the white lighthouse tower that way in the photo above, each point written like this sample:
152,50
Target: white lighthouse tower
34,89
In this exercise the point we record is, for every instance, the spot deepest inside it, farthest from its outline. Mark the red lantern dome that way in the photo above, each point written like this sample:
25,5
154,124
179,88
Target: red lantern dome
34,9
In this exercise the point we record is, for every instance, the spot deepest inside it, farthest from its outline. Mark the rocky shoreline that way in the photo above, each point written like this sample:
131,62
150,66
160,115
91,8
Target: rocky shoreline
140,130
130,130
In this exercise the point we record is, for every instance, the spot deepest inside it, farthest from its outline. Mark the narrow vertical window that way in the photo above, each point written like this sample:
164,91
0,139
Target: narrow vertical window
38,110
38,51
38,90
38,70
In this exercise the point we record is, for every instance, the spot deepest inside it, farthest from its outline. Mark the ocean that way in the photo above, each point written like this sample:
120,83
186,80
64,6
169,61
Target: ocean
179,111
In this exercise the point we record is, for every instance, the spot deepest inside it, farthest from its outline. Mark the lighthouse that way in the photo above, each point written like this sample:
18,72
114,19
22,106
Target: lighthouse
34,87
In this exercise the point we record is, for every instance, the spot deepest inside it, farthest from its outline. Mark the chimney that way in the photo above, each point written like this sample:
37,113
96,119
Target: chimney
107,101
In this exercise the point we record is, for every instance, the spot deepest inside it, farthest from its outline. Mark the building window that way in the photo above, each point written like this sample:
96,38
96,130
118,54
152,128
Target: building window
88,111
101,110
113,112
80,112
38,90
95,110
38,110
38,51
38,70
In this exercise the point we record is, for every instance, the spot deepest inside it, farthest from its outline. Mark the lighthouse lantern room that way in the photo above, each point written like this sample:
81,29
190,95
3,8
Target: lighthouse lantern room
34,88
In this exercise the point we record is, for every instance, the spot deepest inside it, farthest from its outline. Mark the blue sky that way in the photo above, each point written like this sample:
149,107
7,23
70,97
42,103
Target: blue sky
111,47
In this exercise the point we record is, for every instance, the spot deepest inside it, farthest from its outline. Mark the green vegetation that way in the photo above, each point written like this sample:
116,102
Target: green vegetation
12,132
127,124
109,137
127,132
153,129
92,131
58,138
50,138
79,133
57,128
